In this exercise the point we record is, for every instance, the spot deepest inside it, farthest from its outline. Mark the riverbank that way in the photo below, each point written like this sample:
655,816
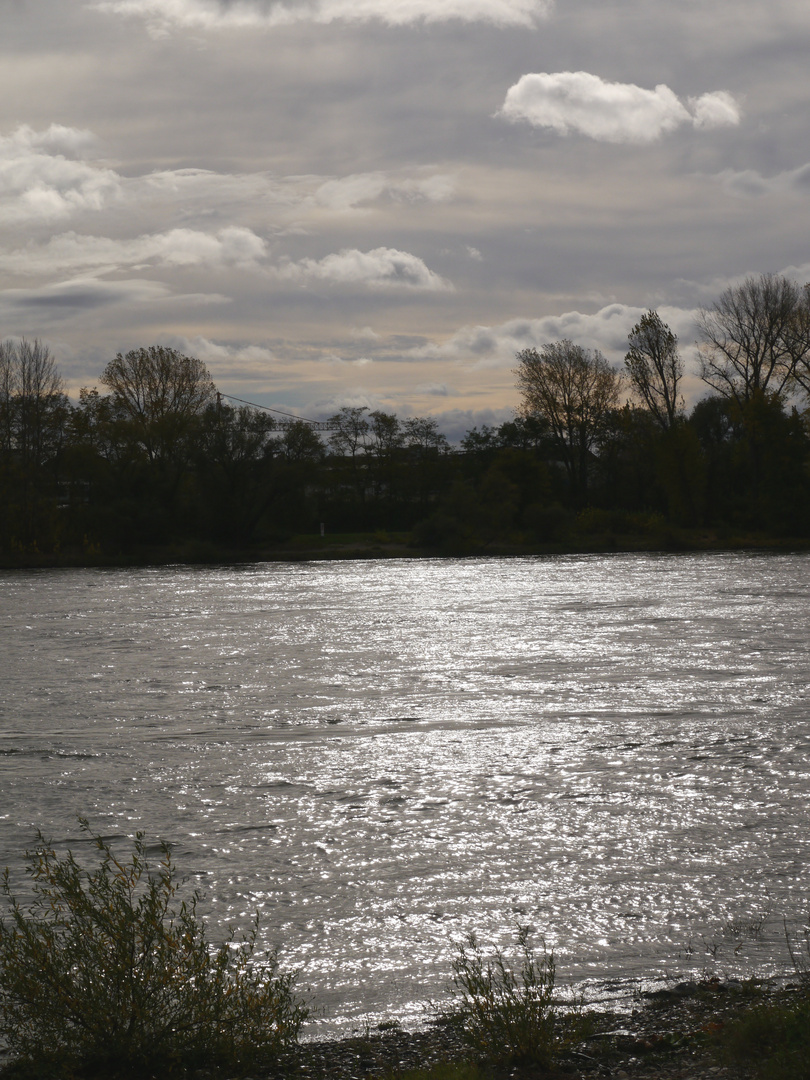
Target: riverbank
349,546
684,1033
677,1034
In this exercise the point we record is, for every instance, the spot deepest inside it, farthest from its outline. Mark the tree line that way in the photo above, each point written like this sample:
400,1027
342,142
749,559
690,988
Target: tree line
159,459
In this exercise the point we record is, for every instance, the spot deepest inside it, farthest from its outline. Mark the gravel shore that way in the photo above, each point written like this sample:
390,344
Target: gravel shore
668,1035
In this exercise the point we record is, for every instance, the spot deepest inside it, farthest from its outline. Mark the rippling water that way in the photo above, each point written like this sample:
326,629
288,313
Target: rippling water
382,756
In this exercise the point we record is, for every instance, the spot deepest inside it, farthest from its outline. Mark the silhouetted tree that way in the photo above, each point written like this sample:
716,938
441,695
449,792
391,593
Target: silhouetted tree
574,390
32,402
655,368
300,442
385,435
755,338
349,431
34,412
160,392
801,331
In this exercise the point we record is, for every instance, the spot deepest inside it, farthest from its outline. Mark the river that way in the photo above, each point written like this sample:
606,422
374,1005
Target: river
381,756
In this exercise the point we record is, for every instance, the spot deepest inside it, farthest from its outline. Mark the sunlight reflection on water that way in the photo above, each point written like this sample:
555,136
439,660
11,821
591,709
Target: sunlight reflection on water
381,756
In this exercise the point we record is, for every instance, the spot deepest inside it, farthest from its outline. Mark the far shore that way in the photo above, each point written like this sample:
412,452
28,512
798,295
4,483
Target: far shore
305,548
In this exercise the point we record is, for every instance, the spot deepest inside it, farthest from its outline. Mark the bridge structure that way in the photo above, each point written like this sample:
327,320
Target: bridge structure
288,418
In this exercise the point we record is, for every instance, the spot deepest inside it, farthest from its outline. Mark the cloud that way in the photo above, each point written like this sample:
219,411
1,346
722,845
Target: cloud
238,362
41,180
163,16
750,182
71,252
365,333
382,268
433,388
64,299
577,102
350,191
351,398
717,109
44,178
457,423
606,330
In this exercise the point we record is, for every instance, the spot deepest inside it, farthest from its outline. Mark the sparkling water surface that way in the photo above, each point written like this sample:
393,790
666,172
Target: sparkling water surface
381,756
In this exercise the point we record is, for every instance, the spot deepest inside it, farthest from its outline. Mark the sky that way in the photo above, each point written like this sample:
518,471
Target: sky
380,202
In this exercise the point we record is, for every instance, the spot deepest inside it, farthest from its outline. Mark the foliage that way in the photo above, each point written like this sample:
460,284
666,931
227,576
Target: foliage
105,974
160,467
799,950
442,1070
160,392
574,390
772,1040
505,1007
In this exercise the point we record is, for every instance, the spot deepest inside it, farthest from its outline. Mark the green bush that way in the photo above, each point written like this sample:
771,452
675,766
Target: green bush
506,1008
105,973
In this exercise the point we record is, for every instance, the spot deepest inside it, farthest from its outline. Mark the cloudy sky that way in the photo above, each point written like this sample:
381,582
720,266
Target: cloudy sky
378,202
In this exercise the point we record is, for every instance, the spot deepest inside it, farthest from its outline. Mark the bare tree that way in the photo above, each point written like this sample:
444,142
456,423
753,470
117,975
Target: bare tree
575,391
160,392
8,391
756,338
801,332
655,368
32,401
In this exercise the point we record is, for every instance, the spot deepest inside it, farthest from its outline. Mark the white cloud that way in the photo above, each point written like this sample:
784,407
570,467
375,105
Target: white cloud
606,330
382,268
247,363
40,180
365,333
717,109
71,252
44,178
348,192
474,253
162,16
577,101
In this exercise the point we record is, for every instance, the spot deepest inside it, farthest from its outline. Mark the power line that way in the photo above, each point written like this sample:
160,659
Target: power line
291,418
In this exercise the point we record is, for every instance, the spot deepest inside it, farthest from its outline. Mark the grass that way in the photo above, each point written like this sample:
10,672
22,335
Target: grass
445,1070
772,1039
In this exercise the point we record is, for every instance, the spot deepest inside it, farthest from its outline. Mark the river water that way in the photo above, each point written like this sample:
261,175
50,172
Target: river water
381,756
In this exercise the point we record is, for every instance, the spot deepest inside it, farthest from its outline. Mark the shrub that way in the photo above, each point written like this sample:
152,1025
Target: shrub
104,973
442,1070
799,950
507,1015
772,1041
